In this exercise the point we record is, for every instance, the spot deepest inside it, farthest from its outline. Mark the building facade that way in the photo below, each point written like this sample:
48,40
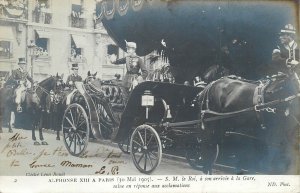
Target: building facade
61,32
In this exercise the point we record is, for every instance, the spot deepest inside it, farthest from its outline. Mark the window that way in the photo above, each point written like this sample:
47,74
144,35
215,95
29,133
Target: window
42,45
5,49
42,13
77,45
77,18
113,49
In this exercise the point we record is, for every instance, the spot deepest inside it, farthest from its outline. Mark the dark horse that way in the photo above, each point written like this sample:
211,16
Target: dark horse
7,103
215,72
227,112
33,104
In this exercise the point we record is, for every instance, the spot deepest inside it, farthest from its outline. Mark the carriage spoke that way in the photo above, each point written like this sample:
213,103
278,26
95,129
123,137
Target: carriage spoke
71,141
82,131
150,140
75,136
150,159
81,123
70,122
72,115
141,158
81,141
155,157
66,137
137,143
145,164
145,136
67,127
76,115
141,137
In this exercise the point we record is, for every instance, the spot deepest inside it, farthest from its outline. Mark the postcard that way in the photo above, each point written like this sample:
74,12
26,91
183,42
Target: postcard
149,96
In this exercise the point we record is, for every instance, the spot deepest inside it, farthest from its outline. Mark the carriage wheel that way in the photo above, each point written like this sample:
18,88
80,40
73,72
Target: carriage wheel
75,126
125,146
145,148
105,121
202,157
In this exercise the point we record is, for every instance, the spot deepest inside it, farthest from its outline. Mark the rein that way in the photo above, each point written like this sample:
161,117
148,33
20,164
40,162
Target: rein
257,108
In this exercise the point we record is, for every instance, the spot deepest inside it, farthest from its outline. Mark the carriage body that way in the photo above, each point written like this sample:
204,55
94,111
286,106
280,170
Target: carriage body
102,116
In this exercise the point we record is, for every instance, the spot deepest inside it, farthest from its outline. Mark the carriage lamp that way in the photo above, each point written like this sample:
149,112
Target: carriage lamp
147,101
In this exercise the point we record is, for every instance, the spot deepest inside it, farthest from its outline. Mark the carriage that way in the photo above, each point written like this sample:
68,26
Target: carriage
160,115
157,116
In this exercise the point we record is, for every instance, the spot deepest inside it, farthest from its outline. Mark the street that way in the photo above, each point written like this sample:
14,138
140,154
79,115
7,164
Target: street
20,157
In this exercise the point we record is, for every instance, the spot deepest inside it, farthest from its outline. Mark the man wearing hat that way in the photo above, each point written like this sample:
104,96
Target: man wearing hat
286,55
134,65
20,74
74,77
18,80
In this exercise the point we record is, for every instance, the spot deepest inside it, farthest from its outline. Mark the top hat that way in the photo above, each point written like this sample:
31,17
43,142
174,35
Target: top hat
75,66
22,61
131,44
288,29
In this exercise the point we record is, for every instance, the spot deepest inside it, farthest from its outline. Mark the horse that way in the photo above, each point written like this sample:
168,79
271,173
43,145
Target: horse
261,111
33,103
7,103
215,72
55,106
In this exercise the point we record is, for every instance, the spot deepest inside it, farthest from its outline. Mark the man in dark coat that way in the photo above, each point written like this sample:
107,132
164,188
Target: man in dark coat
20,74
18,80
74,77
286,55
134,65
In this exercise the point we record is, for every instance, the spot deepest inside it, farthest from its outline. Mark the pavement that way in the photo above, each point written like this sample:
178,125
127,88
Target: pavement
20,157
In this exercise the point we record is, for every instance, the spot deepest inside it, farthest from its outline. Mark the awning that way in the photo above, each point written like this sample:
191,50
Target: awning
80,41
7,33
14,12
43,33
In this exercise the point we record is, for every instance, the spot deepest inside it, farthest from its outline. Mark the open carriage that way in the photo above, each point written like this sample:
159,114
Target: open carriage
162,115
157,116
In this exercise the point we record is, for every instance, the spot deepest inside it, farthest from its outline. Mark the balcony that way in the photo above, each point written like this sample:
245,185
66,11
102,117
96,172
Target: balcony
77,59
13,10
44,17
77,22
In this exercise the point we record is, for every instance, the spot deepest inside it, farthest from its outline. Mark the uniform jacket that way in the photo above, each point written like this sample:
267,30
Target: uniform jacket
279,59
74,78
133,66
19,74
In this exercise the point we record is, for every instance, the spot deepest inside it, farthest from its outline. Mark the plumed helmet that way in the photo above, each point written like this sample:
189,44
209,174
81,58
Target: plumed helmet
131,44
288,29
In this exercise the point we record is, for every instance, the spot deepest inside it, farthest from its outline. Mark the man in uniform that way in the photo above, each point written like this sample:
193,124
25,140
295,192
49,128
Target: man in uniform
74,77
19,79
134,65
286,55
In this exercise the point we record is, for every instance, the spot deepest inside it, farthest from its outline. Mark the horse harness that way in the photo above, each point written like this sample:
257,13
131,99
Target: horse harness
259,105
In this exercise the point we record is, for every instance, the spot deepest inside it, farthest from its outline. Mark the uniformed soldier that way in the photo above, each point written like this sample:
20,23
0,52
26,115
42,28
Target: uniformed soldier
286,55
134,65
18,80
74,77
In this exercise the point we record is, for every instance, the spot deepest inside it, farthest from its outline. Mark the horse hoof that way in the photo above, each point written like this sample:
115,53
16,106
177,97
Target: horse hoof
1,131
10,130
58,138
36,143
44,143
